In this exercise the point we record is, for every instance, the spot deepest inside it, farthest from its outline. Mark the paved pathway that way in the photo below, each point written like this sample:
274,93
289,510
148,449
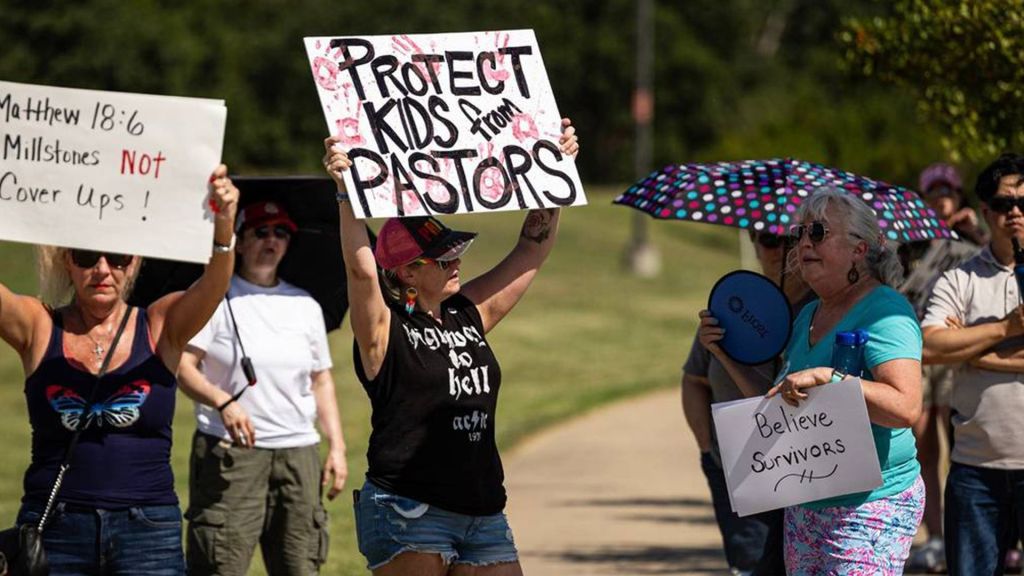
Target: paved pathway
618,491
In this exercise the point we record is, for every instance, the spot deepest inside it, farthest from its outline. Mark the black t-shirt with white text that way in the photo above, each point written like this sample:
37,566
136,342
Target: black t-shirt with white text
433,411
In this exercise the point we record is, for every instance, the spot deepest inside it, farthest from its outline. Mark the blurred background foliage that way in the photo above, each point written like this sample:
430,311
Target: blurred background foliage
963,61
733,78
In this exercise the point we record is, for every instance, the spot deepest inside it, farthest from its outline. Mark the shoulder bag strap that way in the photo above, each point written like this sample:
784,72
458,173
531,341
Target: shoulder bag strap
81,424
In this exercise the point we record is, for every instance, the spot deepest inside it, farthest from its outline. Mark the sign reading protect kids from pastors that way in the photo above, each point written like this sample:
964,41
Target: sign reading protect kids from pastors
775,455
108,171
444,123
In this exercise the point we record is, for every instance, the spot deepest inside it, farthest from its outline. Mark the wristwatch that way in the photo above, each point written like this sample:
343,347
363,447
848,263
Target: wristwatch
219,248
837,376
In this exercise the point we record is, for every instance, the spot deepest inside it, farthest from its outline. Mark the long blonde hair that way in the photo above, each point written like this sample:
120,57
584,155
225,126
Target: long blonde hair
55,286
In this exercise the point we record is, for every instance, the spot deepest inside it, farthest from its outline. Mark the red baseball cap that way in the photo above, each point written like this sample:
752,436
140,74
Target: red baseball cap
264,214
402,240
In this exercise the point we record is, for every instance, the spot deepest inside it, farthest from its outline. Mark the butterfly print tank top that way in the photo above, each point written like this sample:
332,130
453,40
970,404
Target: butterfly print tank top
123,458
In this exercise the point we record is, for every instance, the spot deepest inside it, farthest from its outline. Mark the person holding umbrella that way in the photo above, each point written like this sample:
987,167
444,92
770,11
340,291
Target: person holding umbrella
255,473
753,545
116,509
843,258
434,497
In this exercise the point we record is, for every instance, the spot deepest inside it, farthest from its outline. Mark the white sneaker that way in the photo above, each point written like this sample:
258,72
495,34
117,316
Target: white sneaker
930,557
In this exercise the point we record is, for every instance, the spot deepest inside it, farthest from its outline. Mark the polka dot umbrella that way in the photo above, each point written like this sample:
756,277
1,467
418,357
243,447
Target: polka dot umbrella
764,195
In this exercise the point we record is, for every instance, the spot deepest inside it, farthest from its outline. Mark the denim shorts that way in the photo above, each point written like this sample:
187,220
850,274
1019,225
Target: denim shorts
388,525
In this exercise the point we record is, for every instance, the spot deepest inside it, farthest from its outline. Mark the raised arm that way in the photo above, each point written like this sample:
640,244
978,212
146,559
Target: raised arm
368,313
497,291
177,317
20,320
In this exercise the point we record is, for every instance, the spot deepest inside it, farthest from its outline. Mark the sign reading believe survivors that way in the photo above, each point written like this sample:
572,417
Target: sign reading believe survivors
775,455
108,171
444,123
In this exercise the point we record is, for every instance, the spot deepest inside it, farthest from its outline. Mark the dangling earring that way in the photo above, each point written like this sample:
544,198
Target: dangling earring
853,275
410,299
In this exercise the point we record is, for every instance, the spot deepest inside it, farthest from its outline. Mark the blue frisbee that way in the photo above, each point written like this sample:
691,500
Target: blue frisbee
755,314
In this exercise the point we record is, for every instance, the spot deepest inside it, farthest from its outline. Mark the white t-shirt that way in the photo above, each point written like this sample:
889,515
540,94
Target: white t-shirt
283,330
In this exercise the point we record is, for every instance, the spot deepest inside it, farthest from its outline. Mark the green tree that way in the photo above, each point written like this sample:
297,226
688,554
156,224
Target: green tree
962,60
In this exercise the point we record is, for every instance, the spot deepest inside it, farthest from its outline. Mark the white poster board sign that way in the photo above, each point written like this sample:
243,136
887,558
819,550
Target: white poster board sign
444,123
108,171
775,455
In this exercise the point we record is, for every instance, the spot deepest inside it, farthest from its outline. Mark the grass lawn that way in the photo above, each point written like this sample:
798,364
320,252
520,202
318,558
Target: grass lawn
587,333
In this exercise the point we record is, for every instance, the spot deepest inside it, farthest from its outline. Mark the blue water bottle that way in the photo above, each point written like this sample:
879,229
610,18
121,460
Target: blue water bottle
848,352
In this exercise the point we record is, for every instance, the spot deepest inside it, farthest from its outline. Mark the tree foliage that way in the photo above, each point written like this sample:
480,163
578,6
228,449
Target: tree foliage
733,78
963,61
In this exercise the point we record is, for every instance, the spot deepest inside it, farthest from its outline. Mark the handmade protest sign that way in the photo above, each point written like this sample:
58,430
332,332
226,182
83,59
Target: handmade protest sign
444,123
775,455
108,171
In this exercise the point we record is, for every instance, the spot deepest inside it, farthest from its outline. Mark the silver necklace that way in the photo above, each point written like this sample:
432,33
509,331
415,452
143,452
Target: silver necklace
97,347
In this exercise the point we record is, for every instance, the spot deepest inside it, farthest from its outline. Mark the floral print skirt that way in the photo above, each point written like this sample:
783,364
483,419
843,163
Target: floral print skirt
873,538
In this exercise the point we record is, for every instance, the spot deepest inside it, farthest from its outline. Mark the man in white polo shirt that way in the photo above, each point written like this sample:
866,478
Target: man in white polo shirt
975,317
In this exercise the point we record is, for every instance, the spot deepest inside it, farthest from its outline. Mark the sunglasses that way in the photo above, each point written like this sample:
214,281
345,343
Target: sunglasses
770,241
87,259
279,232
442,264
816,231
1005,204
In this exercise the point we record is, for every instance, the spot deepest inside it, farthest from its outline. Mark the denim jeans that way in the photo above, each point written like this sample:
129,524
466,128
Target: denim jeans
142,540
984,512
751,542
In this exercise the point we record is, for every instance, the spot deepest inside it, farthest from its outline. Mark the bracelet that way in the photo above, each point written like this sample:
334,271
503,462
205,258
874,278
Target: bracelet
341,196
219,248
837,376
225,404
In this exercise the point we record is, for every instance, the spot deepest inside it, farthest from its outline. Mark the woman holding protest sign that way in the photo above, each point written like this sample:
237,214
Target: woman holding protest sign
843,258
434,497
116,511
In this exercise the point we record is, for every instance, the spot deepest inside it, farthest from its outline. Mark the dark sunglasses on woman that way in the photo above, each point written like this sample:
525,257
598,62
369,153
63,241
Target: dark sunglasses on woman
1005,204
279,232
88,258
816,231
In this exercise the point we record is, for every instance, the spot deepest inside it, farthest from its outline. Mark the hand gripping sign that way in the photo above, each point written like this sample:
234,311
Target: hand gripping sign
775,455
444,123
108,171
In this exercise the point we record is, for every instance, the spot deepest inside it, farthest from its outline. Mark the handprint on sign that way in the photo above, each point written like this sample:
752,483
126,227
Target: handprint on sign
326,73
436,190
348,129
498,73
492,179
406,48
523,127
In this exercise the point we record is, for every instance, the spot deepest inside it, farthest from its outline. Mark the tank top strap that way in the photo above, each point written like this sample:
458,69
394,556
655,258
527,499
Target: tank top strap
54,348
141,347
